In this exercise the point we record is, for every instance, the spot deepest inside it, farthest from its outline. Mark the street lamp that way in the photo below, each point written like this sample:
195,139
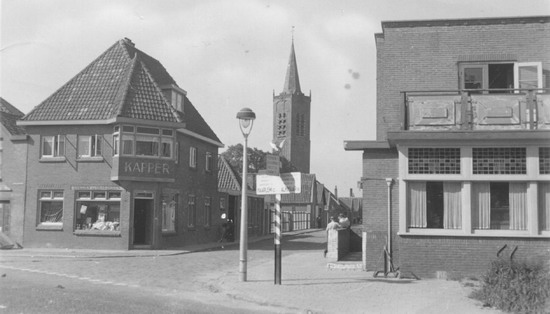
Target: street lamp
246,119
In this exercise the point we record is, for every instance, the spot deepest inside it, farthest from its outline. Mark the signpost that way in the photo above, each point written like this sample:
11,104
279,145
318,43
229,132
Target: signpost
270,182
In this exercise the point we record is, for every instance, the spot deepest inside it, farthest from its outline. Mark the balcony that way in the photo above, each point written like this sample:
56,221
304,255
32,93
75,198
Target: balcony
476,110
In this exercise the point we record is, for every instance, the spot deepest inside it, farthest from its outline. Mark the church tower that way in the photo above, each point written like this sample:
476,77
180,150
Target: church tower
291,118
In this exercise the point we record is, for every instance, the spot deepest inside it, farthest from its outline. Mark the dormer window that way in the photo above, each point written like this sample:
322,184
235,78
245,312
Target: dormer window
174,95
177,101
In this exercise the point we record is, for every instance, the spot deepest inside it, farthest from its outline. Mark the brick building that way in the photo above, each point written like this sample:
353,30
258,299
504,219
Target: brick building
119,158
229,188
13,150
463,137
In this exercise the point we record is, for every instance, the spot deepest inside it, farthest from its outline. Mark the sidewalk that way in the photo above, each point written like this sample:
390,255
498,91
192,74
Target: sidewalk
78,253
308,286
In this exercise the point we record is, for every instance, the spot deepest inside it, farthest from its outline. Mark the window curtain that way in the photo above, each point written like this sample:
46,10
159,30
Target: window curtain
518,206
452,205
481,201
417,191
544,205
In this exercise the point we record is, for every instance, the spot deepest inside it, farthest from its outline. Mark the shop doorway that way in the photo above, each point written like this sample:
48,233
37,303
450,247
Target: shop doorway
143,219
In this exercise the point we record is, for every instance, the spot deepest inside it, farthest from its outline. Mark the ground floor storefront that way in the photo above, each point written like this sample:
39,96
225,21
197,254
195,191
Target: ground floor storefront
122,215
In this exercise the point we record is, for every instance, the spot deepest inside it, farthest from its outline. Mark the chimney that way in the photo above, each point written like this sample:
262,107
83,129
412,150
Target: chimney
336,191
351,192
129,41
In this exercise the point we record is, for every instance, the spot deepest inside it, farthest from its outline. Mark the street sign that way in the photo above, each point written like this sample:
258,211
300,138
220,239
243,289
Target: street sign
286,183
273,163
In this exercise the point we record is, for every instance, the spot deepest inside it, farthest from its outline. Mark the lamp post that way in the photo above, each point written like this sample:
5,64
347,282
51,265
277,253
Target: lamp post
246,119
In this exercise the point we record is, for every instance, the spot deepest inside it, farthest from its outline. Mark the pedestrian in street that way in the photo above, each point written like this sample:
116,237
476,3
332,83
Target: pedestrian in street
344,221
332,225
318,219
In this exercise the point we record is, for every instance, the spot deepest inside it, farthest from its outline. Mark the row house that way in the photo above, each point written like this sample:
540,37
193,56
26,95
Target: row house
460,168
230,186
13,149
119,158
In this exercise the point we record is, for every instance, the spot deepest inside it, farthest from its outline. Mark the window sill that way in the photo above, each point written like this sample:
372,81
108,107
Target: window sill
97,233
49,227
90,159
53,159
474,233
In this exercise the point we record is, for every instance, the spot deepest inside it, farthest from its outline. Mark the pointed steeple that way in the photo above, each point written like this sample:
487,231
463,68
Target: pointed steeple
292,81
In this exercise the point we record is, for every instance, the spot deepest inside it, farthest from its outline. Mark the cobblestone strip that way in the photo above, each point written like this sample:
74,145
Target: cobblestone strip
94,281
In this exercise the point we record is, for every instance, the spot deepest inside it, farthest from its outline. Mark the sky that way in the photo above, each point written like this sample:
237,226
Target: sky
233,54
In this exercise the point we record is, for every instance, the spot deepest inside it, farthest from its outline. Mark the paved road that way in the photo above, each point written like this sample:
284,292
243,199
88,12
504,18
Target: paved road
207,282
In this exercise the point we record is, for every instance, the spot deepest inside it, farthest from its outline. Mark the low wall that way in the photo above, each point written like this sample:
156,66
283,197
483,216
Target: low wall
338,244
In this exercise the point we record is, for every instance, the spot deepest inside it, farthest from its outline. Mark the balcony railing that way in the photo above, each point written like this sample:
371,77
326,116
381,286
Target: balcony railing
522,109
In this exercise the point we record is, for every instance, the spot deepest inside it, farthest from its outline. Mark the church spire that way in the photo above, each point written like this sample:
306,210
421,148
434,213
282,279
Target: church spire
292,81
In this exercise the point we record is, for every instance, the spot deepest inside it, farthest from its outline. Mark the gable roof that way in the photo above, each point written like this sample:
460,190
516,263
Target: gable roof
9,116
228,180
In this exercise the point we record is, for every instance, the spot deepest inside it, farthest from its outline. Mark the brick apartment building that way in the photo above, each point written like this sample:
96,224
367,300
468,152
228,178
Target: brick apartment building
463,132
119,158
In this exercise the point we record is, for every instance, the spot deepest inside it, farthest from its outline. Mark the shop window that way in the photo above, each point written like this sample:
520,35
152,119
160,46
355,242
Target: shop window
500,77
169,209
499,160
499,205
434,160
51,208
435,205
207,211
208,162
97,211
53,146
192,211
89,146
192,157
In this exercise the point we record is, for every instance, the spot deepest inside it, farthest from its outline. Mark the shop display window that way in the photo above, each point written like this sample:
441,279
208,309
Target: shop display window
98,211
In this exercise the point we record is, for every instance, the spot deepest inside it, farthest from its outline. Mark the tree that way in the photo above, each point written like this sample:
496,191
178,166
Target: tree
256,159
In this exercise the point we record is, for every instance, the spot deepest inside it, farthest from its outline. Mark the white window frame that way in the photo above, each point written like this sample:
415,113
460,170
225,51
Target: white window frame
484,66
193,157
130,135
169,210
94,143
519,65
192,211
531,179
108,198
207,211
54,196
57,143
209,161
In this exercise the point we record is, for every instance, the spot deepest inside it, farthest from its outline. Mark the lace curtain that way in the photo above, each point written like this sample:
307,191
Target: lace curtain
452,207
481,202
417,205
518,206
